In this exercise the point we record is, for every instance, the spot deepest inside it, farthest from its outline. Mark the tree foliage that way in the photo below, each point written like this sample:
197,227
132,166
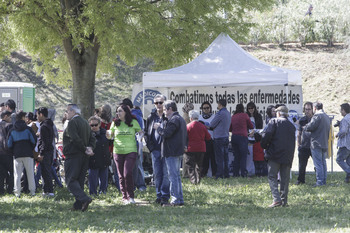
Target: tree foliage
287,21
70,39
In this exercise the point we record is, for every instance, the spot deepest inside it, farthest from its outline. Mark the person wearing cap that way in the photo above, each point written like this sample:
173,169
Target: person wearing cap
319,127
278,140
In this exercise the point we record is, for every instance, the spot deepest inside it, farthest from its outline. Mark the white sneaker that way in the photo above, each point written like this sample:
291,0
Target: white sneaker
126,202
48,194
132,201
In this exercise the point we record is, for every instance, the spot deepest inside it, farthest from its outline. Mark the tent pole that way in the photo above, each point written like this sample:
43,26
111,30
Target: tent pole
143,98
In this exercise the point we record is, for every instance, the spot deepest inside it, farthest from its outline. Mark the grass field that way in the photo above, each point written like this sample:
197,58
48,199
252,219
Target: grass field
230,205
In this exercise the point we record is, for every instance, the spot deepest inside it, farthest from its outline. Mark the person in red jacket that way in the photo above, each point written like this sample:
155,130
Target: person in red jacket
240,124
197,135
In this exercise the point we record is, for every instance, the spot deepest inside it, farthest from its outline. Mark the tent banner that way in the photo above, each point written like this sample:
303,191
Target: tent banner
262,96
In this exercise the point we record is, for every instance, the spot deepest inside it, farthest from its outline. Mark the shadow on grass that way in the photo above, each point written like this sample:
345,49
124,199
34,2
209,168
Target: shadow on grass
224,205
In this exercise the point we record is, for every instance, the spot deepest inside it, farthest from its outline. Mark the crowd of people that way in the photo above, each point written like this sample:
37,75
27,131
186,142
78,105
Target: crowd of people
198,142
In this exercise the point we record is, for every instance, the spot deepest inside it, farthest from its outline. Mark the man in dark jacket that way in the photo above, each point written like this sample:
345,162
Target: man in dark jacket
22,141
279,142
45,148
319,127
304,142
174,144
6,159
78,145
154,141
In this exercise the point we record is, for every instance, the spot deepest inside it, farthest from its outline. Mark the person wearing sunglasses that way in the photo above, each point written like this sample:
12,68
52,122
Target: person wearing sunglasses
153,141
99,162
209,157
257,120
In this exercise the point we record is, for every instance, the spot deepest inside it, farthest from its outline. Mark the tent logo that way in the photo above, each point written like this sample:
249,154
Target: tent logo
149,95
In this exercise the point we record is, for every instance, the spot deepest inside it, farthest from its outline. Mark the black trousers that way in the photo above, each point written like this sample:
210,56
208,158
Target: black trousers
304,154
6,174
75,168
209,157
193,161
46,164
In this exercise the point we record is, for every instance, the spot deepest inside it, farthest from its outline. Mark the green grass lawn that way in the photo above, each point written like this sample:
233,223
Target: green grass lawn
230,205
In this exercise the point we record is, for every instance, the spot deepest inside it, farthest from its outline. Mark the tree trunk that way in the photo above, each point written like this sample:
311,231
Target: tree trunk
83,66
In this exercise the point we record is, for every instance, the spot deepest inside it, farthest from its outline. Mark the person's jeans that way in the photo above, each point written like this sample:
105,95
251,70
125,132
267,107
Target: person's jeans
240,151
138,173
125,164
304,154
173,165
98,176
319,157
250,161
160,174
284,169
221,157
343,159
115,175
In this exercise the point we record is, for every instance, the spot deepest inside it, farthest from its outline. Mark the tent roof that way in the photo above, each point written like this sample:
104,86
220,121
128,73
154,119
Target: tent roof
223,63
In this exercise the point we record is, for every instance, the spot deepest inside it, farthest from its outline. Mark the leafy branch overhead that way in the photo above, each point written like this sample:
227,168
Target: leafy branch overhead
74,39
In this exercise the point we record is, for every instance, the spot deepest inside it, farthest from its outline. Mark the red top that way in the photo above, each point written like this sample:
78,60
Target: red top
197,135
240,123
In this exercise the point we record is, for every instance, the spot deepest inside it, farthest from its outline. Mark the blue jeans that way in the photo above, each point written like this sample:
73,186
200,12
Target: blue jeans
240,151
37,176
138,173
115,175
173,165
97,177
221,157
319,157
160,174
343,159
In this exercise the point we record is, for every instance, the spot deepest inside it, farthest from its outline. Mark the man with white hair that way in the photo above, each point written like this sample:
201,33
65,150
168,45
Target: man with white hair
78,145
197,135
279,141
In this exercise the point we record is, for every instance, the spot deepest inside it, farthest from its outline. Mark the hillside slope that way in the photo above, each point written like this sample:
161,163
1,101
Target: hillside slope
324,71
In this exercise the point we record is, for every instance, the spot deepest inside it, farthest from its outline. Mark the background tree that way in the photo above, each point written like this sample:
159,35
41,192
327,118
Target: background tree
70,39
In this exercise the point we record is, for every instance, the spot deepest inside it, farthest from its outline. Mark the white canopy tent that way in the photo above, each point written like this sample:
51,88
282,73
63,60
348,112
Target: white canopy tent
223,63
224,70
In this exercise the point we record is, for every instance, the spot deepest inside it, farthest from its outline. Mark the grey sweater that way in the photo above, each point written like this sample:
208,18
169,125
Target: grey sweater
319,127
